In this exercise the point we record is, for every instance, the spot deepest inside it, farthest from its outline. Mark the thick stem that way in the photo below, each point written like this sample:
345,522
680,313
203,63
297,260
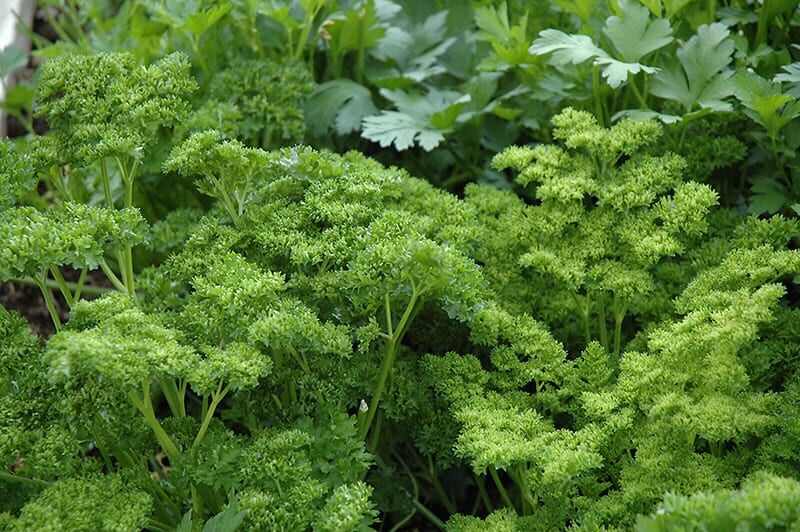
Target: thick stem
173,396
361,50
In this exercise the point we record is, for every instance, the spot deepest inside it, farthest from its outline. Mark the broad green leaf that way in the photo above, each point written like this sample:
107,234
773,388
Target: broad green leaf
769,197
420,119
227,520
11,58
402,130
566,49
632,36
616,72
646,114
341,103
699,77
791,76
576,49
200,22
765,103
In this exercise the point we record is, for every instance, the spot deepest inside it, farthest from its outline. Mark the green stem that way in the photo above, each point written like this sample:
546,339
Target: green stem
106,183
421,508
501,489
62,285
376,433
197,505
598,104
119,285
145,406
388,360
619,316
481,483
173,396
388,308
4,475
80,285
49,301
361,51
601,311
94,290
126,264
299,358
639,97
437,486
415,487
304,33
216,399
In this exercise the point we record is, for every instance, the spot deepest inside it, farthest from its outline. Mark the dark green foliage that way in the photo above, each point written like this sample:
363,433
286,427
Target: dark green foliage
270,97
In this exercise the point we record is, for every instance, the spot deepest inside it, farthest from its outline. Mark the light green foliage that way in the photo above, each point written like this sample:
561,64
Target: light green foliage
503,520
270,96
69,233
95,503
348,508
121,105
605,256
306,477
16,174
112,339
764,502
227,168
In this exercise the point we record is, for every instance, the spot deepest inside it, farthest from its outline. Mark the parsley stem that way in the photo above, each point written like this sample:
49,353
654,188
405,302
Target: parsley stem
49,301
112,276
388,360
88,289
144,405
4,475
62,285
216,399
79,286
483,495
106,183
601,310
501,489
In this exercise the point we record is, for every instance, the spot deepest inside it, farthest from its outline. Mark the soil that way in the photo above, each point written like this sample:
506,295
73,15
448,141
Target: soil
28,301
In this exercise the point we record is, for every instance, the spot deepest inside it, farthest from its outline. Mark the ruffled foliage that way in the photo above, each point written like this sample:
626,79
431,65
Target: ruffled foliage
336,341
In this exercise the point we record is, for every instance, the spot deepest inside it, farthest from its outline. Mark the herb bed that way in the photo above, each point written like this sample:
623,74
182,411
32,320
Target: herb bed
582,313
